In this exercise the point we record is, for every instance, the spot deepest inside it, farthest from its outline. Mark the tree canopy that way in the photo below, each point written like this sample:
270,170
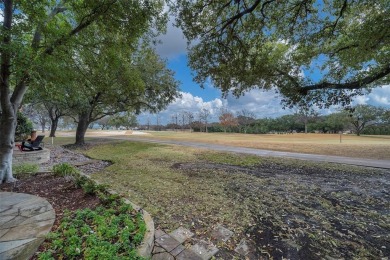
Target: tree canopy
109,73
35,34
362,116
325,51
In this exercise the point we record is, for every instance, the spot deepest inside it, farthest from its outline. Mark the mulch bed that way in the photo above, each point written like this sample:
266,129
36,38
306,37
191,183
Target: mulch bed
60,192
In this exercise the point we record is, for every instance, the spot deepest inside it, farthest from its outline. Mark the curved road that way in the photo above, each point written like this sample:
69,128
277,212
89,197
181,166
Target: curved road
383,164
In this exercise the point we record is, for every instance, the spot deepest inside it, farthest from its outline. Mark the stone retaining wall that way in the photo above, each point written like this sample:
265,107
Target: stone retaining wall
36,157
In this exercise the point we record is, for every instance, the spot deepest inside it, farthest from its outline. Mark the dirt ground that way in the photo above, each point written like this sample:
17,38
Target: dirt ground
61,192
308,213
283,211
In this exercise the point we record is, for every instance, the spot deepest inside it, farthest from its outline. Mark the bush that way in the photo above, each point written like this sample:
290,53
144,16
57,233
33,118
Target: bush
65,169
25,168
111,232
24,127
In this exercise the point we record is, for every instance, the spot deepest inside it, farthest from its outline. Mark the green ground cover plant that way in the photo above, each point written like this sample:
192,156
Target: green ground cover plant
283,208
111,231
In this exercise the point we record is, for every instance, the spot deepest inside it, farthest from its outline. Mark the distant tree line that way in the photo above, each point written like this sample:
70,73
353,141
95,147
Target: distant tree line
361,119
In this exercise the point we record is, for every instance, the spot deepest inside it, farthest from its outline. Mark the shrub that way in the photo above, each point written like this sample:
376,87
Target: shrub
65,169
24,127
110,232
25,168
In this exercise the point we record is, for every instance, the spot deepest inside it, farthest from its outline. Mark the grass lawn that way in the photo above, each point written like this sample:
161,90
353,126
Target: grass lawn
371,147
283,208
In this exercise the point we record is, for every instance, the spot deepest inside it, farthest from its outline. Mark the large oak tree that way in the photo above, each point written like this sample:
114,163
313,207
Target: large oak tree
328,51
113,80
362,116
35,31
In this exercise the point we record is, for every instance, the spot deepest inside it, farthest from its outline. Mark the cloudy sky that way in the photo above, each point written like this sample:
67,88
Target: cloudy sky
260,103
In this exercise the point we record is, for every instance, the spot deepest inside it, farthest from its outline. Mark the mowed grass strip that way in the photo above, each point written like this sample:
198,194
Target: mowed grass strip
370,147
284,208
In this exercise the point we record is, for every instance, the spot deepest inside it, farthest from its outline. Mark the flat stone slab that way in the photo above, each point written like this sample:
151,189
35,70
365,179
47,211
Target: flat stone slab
157,249
204,250
188,254
181,234
163,256
24,222
178,250
221,233
167,242
242,248
158,233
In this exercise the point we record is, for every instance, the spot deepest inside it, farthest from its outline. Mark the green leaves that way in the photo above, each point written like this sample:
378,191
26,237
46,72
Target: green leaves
111,232
65,169
362,116
303,48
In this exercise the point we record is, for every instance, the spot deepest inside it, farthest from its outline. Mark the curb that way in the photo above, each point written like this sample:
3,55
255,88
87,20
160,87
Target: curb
146,246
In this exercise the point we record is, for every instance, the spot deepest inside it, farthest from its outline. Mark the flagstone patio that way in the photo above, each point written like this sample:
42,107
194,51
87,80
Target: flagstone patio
24,222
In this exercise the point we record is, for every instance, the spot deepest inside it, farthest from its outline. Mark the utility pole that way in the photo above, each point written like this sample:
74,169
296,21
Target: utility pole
158,125
176,117
182,123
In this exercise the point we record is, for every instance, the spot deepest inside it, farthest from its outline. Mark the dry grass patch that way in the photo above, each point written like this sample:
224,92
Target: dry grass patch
371,147
284,208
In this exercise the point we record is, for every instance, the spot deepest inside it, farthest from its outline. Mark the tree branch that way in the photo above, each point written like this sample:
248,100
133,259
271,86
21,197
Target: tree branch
358,84
84,23
340,15
37,35
263,7
239,15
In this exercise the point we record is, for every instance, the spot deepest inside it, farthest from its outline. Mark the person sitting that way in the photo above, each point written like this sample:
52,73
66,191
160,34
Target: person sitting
33,145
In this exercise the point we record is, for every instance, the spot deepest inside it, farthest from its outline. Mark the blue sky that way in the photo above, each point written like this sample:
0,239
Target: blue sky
194,98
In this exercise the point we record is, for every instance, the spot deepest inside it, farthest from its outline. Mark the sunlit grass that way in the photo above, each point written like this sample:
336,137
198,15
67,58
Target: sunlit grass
372,147
201,196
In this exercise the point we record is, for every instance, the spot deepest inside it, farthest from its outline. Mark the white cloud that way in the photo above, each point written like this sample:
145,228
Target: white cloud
260,102
187,102
380,96
361,100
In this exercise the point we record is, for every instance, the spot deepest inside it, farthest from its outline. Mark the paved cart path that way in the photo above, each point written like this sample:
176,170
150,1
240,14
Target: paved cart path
384,164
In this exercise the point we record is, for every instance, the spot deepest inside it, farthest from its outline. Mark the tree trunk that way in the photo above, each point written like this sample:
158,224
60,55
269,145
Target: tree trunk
7,134
54,125
43,126
82,127
8,109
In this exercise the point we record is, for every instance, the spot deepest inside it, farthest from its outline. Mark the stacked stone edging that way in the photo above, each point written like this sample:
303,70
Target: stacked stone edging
35,157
